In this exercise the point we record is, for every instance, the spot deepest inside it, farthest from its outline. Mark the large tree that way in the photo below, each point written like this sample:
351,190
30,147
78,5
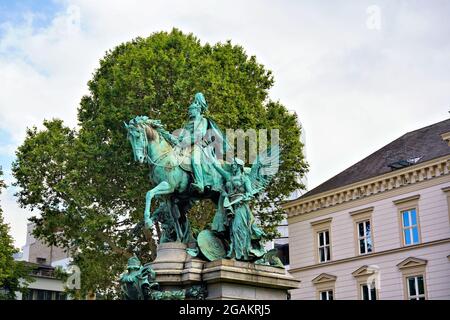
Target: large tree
14,275
84,182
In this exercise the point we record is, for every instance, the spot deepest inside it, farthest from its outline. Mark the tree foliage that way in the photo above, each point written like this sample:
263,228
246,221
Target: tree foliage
84,182
14,275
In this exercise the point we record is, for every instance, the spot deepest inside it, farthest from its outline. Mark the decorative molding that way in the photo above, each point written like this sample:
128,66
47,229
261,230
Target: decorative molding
408,199
369,255
384,183
412,262
363,271
360,211
323,277
320,222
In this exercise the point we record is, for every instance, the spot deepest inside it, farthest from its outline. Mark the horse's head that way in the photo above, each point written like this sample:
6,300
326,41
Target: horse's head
140,132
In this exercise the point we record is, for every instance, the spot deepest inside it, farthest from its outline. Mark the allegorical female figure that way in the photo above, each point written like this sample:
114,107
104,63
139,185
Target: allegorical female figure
245,234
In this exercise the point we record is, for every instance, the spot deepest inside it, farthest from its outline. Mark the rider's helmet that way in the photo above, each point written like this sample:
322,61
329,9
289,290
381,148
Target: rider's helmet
200,100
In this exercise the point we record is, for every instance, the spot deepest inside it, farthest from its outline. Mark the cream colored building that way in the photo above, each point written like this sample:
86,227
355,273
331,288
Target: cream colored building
381,228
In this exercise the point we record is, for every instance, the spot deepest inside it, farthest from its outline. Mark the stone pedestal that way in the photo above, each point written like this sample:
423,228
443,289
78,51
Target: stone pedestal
224,279
174,268
229,279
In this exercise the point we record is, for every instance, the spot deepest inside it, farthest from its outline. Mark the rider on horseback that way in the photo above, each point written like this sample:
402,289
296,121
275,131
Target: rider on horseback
197,135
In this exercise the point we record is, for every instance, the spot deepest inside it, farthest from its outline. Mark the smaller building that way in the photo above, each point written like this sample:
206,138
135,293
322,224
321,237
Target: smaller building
46,286
43,259
38,252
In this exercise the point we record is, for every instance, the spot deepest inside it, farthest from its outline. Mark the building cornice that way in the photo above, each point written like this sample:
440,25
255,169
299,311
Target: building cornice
384,183
371,255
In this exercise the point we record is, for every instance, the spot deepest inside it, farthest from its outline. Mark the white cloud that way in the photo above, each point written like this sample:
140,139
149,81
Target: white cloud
16,217
355,89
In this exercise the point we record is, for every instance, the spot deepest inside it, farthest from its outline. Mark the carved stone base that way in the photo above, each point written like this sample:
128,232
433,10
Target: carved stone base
224,279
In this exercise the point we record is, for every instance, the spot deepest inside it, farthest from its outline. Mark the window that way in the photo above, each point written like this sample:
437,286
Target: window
324,245
364,237
368,291
414,278
325,285
28,295
60,296
446,190
37,294
326,295
367,281
322,240
416,288
409,220
362,219
410,227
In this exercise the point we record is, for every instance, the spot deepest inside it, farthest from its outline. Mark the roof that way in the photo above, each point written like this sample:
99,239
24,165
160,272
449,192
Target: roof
423,144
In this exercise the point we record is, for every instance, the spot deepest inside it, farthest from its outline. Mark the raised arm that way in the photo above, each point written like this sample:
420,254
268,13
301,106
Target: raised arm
222,172
173,140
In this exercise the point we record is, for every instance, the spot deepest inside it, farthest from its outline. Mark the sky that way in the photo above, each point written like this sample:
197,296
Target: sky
359,74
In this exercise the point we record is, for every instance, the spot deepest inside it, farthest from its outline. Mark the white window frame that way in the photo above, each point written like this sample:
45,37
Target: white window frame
365,236
327,295
369,290
410,228
325,246
417,296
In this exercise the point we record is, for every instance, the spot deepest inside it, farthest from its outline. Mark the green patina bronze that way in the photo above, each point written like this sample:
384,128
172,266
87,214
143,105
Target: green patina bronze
139,283
180,167
211,246
184,168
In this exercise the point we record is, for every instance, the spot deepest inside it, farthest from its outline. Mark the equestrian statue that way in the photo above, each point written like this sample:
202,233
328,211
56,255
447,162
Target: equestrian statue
188,167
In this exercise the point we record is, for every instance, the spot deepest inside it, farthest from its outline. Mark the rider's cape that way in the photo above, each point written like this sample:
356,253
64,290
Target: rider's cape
219,138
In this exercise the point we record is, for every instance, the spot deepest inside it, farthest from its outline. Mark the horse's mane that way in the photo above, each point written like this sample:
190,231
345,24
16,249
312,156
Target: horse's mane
151,128
150,131
162,131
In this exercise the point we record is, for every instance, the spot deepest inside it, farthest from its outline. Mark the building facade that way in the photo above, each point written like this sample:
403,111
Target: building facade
381,228
39,252
45,285
43,259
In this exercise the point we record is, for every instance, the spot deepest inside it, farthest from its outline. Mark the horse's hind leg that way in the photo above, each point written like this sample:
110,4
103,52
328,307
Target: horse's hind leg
162,188
186,231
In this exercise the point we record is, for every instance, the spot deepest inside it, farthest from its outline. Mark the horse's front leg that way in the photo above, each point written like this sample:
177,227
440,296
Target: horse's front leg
162,188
